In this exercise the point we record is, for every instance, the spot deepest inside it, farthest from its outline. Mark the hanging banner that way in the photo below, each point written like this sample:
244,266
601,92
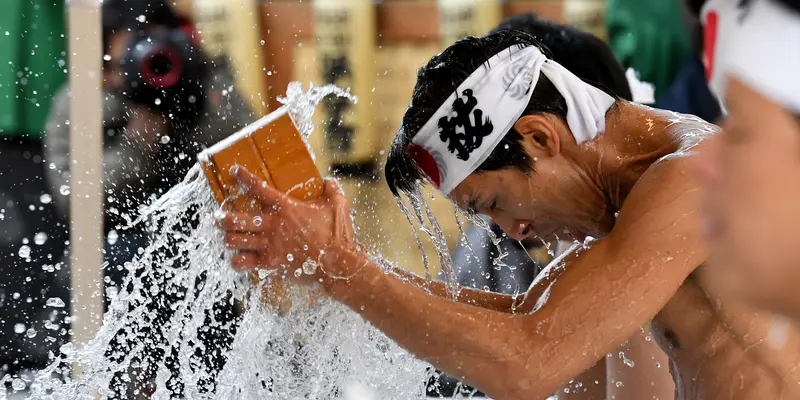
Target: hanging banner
459,18
345,36
587,15
230,29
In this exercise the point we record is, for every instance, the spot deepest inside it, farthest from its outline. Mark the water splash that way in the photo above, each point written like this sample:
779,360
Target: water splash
167,332
301,105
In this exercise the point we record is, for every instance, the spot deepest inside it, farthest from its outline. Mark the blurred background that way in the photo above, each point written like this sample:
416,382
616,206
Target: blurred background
179,75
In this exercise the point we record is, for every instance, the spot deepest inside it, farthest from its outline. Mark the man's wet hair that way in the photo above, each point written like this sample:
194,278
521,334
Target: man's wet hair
440,77
582,53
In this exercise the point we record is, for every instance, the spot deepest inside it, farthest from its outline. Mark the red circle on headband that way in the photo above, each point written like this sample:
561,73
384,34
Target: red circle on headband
425,162
156,80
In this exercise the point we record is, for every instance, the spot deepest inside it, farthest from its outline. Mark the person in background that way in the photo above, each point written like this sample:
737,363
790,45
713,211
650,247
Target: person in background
475,263
688,93
33,64
650,37
750,173
149,142
663,43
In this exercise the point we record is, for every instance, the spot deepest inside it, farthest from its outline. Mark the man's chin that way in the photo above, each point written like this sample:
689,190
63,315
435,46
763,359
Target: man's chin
732,275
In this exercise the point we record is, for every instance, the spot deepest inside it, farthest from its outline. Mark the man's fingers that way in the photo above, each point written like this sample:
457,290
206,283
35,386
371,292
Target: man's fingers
242,222
258,187
331,188
245,260
243,241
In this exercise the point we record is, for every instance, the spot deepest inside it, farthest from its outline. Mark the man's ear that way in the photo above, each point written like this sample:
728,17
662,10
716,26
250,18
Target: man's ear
540,132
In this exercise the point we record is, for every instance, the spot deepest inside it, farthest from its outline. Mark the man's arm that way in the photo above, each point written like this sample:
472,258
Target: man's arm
601,298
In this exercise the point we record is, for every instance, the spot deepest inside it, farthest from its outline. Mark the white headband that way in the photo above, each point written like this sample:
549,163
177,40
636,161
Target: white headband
471,122
766,54
720,18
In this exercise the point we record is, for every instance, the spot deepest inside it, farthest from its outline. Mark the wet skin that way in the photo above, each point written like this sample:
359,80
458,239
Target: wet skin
647,266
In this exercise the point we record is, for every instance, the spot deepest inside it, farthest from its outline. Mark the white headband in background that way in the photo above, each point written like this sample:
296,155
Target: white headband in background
462,133
720,18
766,52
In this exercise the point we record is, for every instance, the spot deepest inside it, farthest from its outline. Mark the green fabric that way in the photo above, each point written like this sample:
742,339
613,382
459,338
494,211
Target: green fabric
32,63
650,37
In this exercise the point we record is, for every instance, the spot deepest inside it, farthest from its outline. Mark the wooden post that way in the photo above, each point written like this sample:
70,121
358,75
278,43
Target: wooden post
86,166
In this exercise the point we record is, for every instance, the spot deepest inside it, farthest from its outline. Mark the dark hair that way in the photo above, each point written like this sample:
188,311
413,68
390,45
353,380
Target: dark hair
124,15
572,48
439,78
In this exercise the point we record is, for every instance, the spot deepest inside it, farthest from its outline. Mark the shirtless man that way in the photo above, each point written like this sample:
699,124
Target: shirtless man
750,173
545,153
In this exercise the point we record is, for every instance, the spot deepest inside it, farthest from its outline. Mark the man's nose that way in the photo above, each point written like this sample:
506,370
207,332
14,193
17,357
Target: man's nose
515,229
706,165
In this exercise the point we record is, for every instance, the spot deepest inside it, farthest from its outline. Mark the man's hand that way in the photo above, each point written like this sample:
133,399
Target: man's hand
287,235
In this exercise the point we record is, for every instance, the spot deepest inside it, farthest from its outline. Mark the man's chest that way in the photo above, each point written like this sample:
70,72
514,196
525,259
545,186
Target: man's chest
706,332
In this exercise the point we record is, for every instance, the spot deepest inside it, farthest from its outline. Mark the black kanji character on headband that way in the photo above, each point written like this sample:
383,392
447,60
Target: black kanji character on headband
472,138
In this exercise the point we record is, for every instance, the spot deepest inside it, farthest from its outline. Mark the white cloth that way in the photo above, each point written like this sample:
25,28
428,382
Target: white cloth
473,120
643,92
766,55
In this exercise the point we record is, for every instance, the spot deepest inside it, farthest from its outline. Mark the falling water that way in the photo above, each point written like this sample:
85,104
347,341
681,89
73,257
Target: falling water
166,333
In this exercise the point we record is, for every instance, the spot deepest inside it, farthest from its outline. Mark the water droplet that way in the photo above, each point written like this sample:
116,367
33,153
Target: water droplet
618,384
141,18
658,365
257,221
263,42
309,267
40,238
648,338
64,190
18,384
52,166
298,272
305,247
107,57
164,139
45,198
24,251
19,327
31,333
55,302
112,236
290,257
192,99
157,101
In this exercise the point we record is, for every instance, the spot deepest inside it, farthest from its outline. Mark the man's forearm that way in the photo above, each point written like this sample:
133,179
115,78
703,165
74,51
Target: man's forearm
491,350
488,300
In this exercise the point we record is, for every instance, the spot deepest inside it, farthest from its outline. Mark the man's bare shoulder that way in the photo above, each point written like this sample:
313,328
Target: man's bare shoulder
661,213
